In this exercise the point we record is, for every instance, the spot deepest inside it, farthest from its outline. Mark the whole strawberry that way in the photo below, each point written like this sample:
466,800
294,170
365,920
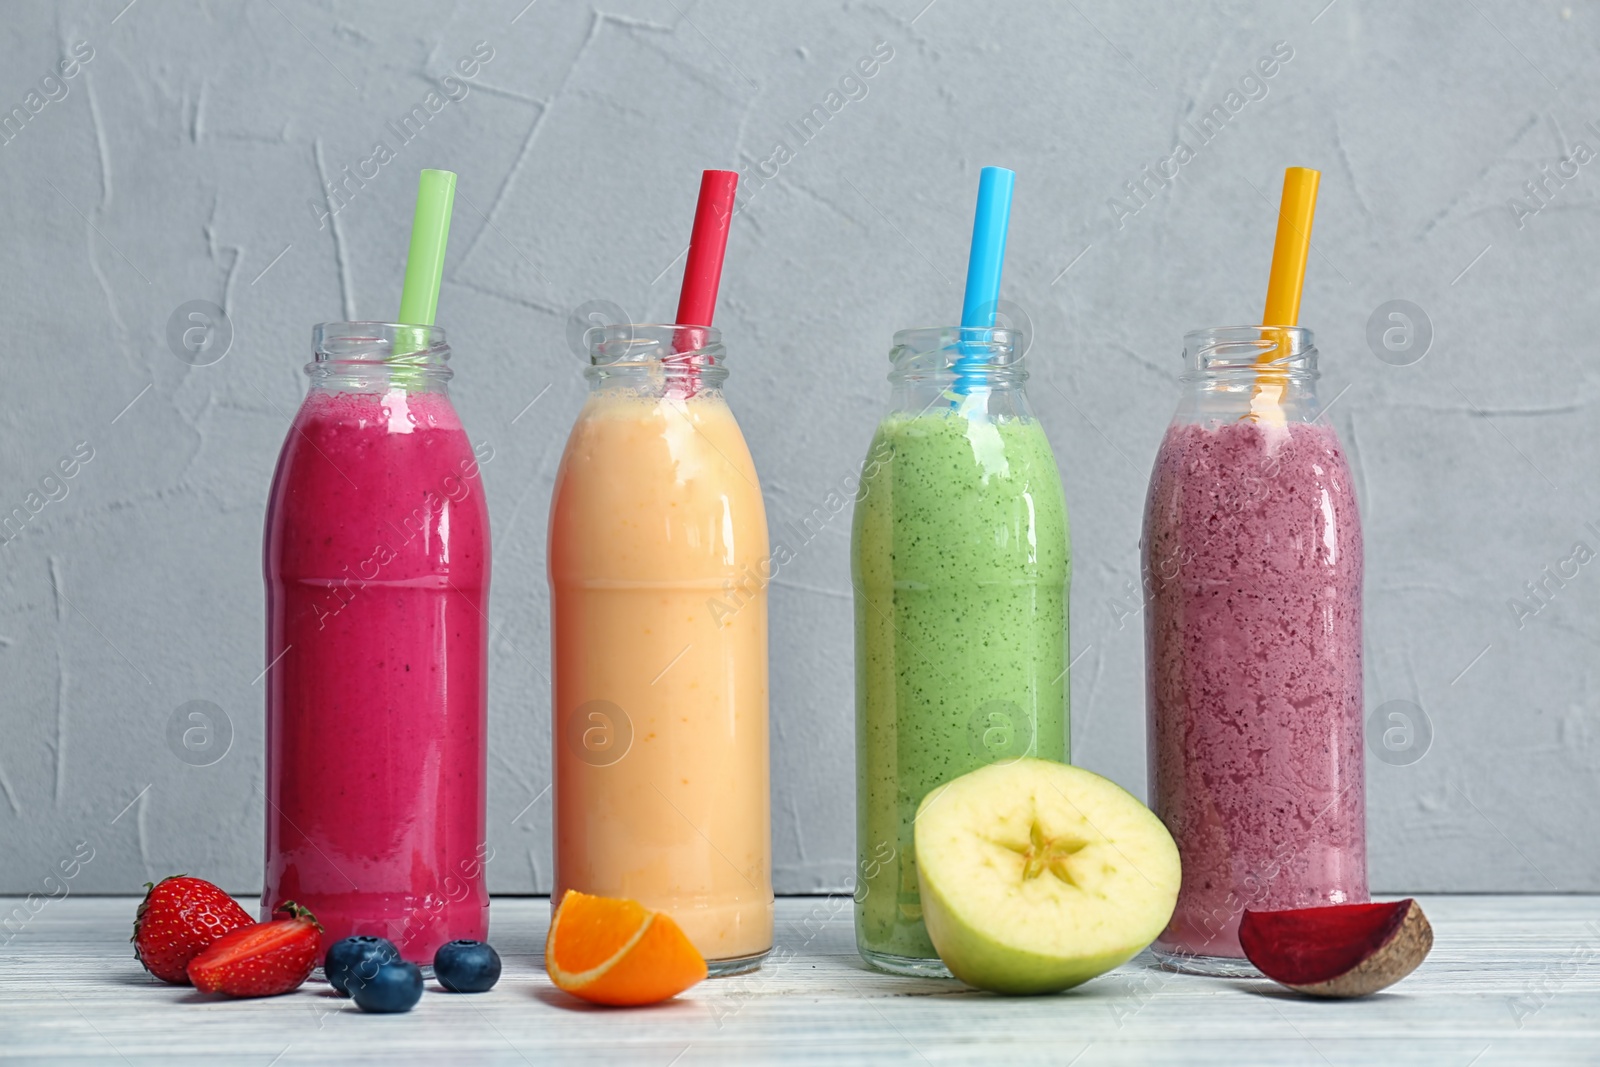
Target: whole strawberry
261,960
177,920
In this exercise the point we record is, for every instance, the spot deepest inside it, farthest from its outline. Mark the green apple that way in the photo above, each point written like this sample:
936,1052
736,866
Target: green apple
1037,876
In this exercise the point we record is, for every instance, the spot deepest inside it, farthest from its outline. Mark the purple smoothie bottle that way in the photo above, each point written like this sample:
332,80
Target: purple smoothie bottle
1252,582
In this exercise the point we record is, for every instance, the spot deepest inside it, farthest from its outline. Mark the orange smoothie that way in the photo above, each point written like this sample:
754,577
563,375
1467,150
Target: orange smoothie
658,564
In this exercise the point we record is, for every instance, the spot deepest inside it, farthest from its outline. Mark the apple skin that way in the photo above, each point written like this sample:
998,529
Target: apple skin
981,962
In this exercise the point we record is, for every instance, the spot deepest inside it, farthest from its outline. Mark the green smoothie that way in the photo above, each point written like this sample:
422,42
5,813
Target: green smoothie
961,566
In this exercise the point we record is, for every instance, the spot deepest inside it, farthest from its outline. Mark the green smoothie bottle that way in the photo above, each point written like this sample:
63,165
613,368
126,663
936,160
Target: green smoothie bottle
961,564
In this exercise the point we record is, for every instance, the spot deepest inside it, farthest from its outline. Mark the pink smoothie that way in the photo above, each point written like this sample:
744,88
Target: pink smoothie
1252,563
377,569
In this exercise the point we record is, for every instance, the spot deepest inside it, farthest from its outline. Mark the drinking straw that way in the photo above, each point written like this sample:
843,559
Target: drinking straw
430,230
702,271
1289,253
984,264
1292,246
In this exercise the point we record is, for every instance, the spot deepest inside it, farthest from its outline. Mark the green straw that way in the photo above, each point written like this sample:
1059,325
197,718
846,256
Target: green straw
430,231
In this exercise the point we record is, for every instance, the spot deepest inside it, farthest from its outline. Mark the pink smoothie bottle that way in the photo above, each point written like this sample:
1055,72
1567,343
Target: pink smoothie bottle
1252,583
377,571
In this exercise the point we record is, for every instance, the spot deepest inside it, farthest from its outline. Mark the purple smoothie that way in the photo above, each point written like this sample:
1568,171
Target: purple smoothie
1252,570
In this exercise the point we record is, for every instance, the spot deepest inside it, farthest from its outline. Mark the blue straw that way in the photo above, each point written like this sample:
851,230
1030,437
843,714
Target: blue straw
984,264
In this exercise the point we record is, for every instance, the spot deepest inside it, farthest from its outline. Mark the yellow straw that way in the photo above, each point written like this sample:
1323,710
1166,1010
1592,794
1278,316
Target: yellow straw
1289,254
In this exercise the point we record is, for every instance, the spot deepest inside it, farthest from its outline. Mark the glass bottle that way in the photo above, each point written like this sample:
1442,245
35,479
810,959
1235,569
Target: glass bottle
961,565
1252,573
658,583
376,561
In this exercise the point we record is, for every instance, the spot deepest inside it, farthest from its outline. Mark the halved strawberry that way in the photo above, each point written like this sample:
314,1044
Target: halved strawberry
261,960
177,920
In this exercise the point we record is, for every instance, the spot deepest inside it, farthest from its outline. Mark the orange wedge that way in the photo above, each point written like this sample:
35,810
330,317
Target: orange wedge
610,951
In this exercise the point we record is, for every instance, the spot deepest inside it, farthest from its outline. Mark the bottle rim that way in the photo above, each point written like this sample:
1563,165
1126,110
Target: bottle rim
957,349
357,348
376,341
674,349
1227,351
637,343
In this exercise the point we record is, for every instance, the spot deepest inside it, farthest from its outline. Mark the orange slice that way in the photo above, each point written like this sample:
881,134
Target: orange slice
610,951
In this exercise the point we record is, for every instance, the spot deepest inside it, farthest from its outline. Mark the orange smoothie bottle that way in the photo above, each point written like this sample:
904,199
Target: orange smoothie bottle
658,570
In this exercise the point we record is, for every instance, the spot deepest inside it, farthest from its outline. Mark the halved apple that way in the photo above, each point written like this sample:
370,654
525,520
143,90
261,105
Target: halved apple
1037,876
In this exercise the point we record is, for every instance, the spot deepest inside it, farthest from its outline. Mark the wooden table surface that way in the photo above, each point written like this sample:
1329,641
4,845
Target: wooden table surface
1511,980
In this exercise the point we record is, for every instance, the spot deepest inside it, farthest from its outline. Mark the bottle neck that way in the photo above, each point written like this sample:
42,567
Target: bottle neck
973,371
996,395
1250,372
354,377
656,380
378,357
646,359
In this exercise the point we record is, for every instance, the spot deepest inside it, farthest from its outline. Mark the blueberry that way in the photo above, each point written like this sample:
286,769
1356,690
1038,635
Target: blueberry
396,987
466,966
356,959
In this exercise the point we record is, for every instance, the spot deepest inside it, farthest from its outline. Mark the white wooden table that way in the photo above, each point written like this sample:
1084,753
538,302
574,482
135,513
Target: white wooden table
1512,980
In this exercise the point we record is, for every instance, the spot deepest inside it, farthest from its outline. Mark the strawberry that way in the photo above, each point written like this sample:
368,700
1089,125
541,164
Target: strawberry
177,920
261,960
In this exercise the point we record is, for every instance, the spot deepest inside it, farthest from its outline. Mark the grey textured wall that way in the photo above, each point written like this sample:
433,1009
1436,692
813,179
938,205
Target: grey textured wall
185,161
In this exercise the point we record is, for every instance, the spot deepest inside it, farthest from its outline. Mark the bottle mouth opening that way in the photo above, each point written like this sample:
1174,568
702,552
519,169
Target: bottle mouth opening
1229,351
647,344
366,343
957,349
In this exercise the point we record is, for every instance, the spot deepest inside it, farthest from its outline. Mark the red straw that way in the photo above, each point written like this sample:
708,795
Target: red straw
697,305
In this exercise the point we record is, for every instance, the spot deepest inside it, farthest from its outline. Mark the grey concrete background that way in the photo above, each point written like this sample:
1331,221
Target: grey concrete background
186,161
